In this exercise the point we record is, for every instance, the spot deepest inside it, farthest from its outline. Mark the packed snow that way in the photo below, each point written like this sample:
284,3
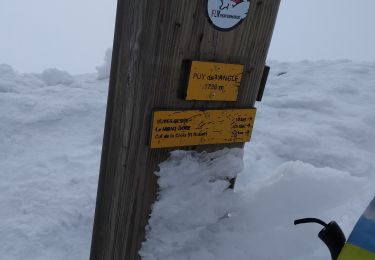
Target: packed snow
53,77
104,70
50,144
311,155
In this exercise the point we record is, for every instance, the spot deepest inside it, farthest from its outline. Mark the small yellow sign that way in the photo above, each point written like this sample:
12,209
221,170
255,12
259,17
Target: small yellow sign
199,127
214,81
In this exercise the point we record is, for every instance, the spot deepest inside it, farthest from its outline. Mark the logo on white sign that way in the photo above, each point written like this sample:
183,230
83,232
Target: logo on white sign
226,14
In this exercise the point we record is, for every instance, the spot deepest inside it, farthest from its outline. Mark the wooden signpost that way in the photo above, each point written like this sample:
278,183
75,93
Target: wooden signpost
226,43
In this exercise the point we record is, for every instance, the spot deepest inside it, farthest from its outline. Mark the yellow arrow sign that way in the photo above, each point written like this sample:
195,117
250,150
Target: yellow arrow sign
199,127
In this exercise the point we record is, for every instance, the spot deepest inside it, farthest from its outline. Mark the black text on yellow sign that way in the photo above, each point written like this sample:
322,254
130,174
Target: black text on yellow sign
200,127
214,81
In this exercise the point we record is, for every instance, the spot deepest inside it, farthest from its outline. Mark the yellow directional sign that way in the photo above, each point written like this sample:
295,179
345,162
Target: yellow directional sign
199,127
214,81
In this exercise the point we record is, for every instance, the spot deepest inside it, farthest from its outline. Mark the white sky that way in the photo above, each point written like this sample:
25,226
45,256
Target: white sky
73,34
324,29
67,34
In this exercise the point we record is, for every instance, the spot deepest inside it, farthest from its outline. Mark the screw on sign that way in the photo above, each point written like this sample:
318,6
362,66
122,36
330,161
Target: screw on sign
227,14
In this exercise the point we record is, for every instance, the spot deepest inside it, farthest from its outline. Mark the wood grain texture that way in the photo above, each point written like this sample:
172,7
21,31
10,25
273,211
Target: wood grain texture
152,40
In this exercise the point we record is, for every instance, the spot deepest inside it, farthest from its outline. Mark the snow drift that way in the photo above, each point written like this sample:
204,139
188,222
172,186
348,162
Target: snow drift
311,155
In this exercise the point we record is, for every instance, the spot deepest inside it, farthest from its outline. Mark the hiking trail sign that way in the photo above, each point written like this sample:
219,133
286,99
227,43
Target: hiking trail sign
199,127
227,14
214,81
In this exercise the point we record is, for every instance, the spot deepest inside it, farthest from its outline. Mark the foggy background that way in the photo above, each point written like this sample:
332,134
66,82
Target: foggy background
73,34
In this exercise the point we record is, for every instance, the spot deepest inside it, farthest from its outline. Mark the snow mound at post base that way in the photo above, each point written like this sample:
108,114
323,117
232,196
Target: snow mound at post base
198,217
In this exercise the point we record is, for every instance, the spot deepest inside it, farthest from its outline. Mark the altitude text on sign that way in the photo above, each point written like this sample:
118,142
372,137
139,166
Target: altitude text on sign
214,81
200,127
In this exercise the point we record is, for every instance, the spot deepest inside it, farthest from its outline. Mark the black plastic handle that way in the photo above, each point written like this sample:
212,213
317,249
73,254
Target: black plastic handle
331,235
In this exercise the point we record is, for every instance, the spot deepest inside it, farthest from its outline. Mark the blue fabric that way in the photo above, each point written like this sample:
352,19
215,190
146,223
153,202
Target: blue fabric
363,234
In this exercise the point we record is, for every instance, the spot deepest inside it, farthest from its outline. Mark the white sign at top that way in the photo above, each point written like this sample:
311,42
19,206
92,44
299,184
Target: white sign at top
226,14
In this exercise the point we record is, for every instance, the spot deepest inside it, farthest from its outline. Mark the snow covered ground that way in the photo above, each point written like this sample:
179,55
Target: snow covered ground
312,154
51,129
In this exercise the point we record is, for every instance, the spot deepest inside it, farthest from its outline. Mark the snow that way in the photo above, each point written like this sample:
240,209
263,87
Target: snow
52,77
105,69
311,155
50,143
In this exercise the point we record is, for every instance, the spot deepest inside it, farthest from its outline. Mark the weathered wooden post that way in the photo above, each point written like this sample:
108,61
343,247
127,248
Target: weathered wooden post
161,49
